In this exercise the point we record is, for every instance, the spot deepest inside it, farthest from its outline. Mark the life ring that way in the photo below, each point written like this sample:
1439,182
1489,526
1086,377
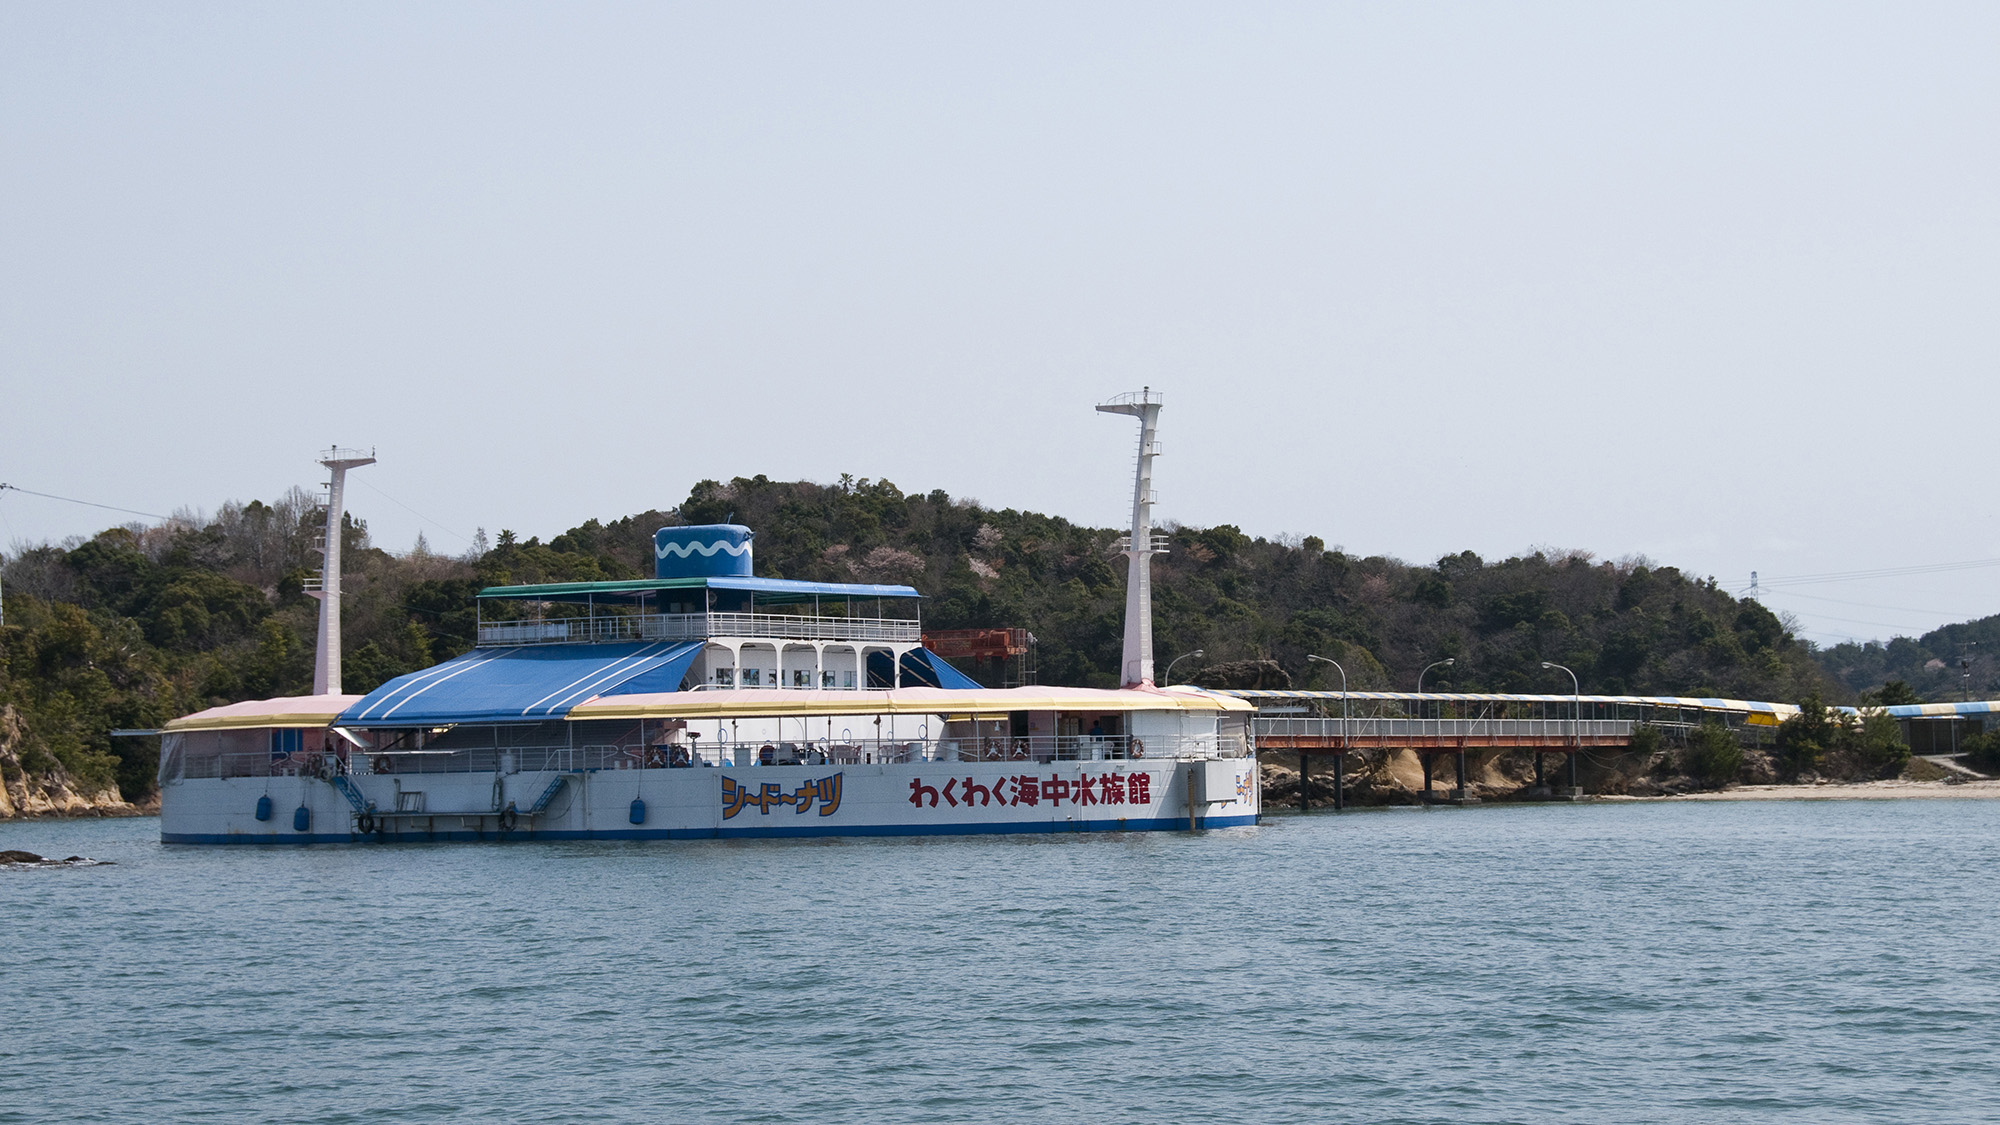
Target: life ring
1138,748
508,819
385,764
366,824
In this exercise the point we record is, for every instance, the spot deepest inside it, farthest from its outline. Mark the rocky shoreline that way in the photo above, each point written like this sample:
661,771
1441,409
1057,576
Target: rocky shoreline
1396,777
26,798
53,794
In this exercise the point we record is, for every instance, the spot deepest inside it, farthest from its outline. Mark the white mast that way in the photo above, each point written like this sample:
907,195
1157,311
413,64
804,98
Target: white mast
326,659
1140,545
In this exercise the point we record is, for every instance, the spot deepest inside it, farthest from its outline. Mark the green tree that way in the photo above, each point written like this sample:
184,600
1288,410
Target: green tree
1805,738
1894,693
1876,740
1712,755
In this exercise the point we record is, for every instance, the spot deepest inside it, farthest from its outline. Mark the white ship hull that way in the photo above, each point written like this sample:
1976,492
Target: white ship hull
920,798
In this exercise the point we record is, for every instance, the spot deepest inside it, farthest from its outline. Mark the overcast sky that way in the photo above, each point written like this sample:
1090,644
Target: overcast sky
1715,284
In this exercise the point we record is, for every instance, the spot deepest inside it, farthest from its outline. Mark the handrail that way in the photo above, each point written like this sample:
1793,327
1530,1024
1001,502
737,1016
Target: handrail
599,628
1359,729
1028,751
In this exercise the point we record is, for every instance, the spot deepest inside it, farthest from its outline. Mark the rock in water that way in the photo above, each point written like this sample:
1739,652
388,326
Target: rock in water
30,859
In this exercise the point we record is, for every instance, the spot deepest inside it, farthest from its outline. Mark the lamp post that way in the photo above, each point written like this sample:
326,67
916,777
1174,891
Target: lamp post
1576,723
1445,663
1340,759
1169,677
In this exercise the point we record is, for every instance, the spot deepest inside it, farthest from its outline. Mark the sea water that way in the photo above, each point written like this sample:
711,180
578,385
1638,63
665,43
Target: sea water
1817,962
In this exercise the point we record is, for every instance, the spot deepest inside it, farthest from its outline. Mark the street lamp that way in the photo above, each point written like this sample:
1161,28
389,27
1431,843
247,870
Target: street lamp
1169,677
1340,759
1445,663
1576,723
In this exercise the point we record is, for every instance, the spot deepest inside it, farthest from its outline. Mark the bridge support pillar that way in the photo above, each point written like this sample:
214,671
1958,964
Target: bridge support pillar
1573,792
1340,781
1304,764
1428,762
1459,796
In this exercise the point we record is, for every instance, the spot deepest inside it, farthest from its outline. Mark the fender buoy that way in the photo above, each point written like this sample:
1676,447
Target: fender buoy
366,824
302,819
264,807
1138,748
508,819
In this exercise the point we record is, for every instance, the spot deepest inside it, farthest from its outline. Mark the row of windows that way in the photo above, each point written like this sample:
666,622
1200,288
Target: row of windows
799,678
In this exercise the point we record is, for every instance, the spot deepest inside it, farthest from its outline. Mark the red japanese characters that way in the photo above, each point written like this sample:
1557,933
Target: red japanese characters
1027,789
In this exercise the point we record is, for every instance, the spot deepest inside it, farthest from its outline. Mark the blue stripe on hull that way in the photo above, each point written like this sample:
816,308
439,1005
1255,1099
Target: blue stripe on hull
1159,824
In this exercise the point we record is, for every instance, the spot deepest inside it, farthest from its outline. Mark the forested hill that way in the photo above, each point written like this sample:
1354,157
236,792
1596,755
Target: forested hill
142,623
1950,662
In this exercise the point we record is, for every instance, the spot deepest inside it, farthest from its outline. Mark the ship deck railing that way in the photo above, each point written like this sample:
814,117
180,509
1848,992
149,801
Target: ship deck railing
600,628
844,750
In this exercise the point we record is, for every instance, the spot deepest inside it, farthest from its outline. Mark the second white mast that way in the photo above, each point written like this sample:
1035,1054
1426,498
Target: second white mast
1140,545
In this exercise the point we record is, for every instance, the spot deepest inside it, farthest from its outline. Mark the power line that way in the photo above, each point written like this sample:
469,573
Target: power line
1873,605
1884,572
86,503
414,512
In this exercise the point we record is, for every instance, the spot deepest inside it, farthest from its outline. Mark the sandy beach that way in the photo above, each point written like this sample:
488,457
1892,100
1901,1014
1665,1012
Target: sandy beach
1894,789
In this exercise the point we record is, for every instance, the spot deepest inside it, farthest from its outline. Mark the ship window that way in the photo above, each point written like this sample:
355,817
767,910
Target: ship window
725,676
801,677
826,679
753,677
847,679
285,742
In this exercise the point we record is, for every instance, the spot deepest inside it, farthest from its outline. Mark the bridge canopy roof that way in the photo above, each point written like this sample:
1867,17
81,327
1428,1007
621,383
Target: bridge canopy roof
1682,702
1945,710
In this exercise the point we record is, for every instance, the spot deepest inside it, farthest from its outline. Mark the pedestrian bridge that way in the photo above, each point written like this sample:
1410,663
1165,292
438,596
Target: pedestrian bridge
1432,723
1310,733
1334,722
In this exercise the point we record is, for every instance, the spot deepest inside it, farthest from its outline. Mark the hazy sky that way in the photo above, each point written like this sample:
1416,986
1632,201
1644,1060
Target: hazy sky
1716,284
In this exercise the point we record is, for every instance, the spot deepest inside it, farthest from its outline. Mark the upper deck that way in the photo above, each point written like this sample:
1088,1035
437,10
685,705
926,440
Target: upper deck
605,628
703,588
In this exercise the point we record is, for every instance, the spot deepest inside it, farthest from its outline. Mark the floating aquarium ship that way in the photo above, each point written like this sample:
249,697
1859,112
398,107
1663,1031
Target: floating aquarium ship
709,702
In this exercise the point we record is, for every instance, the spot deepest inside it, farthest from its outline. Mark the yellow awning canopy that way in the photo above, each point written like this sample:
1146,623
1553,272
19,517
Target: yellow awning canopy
303,711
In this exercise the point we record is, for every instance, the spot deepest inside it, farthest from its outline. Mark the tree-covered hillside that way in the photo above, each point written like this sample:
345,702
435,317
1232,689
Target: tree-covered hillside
1947,663
140,623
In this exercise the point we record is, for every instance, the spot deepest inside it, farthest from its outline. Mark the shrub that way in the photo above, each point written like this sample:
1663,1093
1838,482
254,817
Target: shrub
1877,741
1713,756
1645,739
1982,751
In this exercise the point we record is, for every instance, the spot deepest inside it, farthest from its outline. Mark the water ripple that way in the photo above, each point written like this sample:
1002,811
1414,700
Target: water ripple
1790,961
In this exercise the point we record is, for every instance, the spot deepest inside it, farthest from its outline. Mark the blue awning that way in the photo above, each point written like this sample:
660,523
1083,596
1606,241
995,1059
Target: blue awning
770,590
924,668
526,684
